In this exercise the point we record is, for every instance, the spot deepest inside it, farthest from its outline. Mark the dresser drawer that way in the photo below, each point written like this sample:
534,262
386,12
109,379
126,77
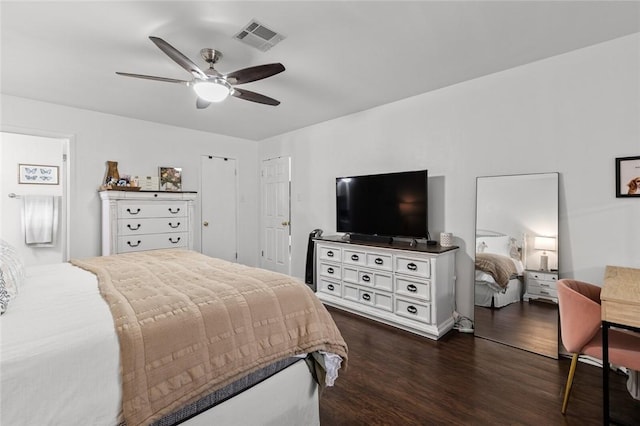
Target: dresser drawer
413,266
379,261
541,290
354,257
330,270
151,242
376,299
542,276
329,253
330,287
416,311
368,278
413,288
151,226
127,210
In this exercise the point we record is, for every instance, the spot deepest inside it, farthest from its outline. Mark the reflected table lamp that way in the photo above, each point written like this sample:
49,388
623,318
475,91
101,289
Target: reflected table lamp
546,244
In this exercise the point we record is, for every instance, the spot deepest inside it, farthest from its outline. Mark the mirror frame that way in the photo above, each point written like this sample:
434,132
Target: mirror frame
507,315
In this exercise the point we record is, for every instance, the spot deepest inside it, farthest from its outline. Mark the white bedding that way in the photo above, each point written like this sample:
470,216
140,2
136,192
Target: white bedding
82,389
41,384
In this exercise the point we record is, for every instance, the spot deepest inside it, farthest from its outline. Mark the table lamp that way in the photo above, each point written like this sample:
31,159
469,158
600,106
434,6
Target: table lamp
545,244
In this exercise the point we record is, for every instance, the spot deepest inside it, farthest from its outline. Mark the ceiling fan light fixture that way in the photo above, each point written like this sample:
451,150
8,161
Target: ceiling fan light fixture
213,90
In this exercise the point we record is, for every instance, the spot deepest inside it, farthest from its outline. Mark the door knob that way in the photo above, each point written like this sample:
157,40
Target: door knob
285,223
205,223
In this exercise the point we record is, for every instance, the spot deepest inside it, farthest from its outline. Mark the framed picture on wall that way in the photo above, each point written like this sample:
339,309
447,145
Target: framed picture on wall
38,174
628,177
170,179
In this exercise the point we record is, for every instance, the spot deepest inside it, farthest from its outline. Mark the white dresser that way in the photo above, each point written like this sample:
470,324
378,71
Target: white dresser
141,220
409,288
541,285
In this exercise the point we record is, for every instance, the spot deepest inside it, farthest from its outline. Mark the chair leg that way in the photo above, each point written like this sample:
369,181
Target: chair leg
567,390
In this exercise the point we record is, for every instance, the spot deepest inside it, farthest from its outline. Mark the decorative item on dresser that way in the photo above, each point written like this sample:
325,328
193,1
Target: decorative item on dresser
541,286
137,221
409,287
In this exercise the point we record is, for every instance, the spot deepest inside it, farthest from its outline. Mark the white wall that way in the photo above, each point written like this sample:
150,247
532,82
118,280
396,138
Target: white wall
572,113
139,147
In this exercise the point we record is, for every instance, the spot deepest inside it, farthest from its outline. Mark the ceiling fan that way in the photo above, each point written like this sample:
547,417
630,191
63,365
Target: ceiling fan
210,85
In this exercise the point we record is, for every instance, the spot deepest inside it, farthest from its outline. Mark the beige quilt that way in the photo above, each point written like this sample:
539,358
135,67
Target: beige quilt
189,324
501,268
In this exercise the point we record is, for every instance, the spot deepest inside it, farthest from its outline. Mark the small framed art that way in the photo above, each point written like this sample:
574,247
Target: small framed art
628,177
38,174
170,179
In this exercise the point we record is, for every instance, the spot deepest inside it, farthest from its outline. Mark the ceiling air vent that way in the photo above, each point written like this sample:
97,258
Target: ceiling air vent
257,35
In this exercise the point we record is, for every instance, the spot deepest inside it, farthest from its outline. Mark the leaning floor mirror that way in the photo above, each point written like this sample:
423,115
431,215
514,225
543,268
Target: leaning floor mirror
516,265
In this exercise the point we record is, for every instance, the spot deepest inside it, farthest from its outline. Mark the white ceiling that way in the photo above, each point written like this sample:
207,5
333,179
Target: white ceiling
341,56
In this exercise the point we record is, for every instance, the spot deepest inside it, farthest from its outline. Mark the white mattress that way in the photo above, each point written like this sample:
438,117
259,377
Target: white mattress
39,382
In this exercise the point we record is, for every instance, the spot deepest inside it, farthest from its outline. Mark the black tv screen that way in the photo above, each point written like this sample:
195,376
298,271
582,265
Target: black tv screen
391,204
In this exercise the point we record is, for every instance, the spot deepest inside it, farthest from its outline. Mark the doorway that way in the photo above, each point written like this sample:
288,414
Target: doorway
34,152
275,213
219,210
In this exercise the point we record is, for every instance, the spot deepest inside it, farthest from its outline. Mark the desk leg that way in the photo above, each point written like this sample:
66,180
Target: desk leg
605,373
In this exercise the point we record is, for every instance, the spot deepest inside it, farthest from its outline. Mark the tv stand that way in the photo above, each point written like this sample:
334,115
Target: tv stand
371,238
406,286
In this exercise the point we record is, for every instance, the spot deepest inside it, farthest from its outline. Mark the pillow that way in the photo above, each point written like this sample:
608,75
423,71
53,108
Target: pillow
12,269
495,245
4,296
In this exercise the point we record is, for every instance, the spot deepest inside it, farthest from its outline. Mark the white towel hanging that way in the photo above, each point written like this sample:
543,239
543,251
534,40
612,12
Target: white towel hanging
40,220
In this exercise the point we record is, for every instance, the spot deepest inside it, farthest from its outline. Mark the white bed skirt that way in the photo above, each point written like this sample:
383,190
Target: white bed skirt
288,398
485,295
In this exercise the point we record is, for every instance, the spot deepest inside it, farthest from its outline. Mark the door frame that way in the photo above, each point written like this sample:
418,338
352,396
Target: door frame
68,149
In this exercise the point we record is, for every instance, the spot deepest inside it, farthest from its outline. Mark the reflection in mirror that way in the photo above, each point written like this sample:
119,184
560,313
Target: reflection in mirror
516,265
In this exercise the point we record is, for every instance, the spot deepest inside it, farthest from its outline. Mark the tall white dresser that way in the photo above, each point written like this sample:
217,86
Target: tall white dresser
411,288
146,220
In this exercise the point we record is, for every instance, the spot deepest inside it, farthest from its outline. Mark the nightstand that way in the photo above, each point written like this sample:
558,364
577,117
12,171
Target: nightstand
541,285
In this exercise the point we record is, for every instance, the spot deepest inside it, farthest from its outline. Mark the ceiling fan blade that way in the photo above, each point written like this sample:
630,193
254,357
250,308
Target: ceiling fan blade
178,57
151,77
248,95
259,72
201,103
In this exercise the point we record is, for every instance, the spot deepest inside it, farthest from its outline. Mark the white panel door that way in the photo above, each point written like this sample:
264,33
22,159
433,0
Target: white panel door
219,211
275,212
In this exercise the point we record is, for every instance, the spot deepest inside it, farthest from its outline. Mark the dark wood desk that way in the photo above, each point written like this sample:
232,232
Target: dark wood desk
620,299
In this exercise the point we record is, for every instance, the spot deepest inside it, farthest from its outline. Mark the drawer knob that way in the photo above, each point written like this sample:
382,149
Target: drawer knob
378,261
366,278
330,270
366,296
412,266
178,224
174,212
133,229
330,287
133,245
412,309
412,288
130,212
329,253
174,242
354,257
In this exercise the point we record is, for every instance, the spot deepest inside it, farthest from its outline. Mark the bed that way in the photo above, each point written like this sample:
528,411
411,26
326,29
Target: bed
62,361
498,270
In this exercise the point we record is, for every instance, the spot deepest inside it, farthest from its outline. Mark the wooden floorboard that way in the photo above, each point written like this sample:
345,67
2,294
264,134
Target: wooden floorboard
397,378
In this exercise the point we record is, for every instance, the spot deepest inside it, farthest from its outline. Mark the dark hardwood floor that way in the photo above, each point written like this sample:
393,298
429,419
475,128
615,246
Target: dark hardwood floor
397,378
532,326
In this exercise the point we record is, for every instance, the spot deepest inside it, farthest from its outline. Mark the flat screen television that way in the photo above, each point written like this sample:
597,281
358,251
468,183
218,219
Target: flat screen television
389,205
